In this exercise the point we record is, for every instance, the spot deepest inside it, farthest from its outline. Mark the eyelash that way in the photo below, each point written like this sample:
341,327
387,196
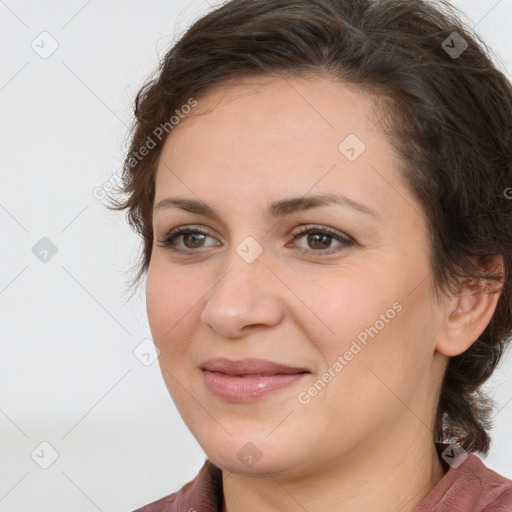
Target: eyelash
345,241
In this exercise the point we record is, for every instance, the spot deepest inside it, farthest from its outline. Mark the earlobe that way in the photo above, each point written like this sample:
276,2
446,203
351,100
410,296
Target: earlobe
468,314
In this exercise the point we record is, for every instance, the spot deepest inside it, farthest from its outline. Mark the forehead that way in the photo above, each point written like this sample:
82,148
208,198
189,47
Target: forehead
279,136
282,107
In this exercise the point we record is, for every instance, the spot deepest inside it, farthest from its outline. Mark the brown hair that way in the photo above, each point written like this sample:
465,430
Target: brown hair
450,116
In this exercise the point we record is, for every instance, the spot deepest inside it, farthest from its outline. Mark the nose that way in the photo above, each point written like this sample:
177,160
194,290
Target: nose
245,298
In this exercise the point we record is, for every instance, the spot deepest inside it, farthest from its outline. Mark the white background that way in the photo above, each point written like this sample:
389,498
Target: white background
68,375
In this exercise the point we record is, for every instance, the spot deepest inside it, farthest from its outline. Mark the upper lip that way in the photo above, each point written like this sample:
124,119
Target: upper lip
249,366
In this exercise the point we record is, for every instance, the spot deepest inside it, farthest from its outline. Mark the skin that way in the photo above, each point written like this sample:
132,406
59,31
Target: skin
365,442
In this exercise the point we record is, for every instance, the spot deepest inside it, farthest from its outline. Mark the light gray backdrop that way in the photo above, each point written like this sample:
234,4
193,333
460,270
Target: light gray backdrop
74,374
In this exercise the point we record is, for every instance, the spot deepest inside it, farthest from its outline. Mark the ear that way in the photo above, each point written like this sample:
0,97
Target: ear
468,313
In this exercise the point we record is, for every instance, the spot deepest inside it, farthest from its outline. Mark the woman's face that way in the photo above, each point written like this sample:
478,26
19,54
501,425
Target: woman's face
349,300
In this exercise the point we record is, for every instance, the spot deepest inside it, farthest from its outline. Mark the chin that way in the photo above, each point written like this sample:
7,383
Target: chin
260,468
247,455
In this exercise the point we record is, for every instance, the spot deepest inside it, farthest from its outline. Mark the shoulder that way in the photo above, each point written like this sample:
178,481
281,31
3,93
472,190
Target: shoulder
470,486
162,505
496,489
493,492
203,493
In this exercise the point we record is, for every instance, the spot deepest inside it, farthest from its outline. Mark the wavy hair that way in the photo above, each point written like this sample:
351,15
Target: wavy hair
448,108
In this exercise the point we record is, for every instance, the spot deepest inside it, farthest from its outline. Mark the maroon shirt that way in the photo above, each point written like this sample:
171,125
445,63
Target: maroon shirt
472,487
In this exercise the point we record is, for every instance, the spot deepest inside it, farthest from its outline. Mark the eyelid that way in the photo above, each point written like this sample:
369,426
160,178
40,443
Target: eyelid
173,234
313,228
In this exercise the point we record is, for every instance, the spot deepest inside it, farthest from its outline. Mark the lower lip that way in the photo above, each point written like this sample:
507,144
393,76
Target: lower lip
246,389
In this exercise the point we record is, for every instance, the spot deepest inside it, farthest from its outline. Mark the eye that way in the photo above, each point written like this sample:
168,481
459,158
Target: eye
191,238
187,239
320,238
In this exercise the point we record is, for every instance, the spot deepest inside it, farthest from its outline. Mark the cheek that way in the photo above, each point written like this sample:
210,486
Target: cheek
373,326
170,300
172,308
340,311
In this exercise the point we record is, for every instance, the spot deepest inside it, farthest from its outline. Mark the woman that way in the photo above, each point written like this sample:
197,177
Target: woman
321,188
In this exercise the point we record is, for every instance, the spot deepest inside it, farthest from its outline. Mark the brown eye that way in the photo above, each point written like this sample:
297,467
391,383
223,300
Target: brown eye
185,239
319,240
193,240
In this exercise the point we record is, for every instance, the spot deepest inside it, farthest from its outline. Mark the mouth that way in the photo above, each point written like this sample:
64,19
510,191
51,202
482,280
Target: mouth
247,380
250,366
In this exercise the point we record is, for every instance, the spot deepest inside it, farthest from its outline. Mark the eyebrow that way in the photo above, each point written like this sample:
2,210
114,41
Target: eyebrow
277,209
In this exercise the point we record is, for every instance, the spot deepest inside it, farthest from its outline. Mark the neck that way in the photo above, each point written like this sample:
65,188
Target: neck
376,477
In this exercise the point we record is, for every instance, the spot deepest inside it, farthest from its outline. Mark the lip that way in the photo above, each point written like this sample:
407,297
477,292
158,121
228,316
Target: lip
249,366
247,380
